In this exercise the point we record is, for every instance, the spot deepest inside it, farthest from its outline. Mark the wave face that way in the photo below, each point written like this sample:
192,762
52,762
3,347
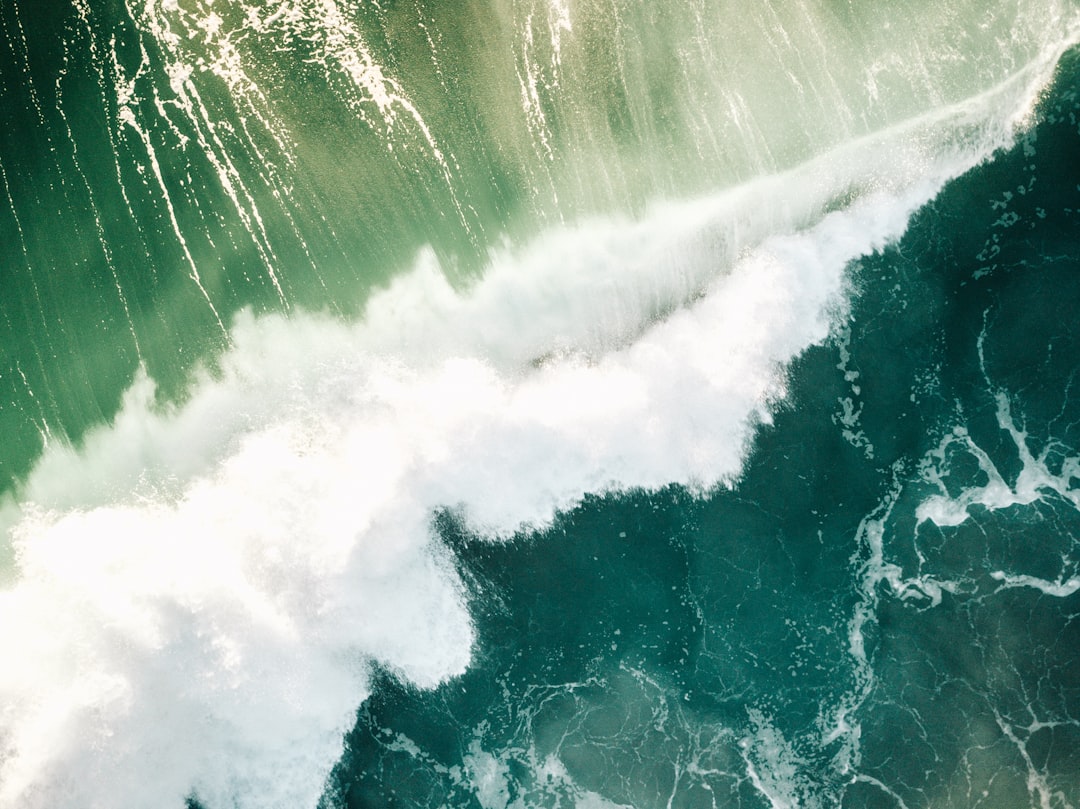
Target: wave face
539,404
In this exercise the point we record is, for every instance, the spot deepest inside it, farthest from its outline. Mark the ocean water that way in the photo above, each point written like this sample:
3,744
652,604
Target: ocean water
533,403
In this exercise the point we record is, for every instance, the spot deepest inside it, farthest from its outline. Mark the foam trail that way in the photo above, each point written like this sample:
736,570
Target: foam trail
1036,478
201,588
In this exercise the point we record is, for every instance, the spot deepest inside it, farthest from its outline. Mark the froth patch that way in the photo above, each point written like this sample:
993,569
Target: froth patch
1035,479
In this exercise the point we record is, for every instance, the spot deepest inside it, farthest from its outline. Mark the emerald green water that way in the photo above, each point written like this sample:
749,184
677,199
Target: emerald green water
520,404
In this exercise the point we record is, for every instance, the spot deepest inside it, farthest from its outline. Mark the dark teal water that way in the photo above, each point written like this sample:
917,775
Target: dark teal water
533,404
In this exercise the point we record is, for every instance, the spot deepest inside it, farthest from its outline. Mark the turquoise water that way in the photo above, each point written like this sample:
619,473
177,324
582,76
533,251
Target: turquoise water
517,404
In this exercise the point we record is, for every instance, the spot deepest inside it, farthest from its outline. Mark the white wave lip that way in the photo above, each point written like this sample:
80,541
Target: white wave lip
200,590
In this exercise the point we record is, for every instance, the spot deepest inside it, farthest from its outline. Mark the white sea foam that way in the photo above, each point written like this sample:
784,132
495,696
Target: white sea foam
1034,480
201,588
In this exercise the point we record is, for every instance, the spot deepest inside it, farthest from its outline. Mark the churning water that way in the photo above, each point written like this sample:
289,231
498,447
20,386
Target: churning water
539,403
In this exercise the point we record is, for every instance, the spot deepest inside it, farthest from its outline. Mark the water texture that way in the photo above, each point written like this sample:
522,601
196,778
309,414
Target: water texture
539,404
